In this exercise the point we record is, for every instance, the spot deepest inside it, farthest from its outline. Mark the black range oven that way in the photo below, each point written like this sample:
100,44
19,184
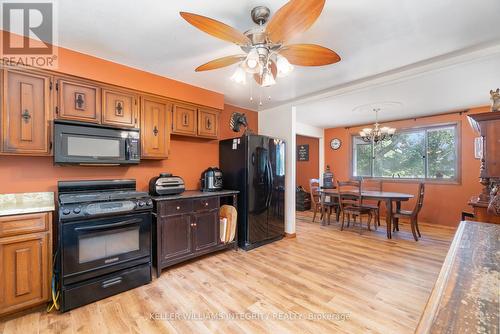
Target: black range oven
98,246
104,245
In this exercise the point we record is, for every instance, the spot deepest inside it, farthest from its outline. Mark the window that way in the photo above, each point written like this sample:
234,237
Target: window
423,153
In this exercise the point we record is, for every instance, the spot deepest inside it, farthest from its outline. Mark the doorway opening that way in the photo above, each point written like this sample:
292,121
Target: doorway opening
306,170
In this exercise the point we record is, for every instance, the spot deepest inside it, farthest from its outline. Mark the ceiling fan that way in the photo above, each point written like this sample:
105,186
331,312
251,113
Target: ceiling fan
266,54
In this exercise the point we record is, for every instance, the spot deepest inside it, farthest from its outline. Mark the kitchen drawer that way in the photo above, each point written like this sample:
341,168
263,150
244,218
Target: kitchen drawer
106,286
23,224
169,208
206,204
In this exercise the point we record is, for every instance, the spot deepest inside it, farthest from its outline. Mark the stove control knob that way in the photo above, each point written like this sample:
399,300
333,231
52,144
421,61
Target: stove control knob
141,203
66,212
77,210
149,203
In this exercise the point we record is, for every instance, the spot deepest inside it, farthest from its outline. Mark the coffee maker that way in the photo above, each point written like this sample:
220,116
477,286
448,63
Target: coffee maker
211,179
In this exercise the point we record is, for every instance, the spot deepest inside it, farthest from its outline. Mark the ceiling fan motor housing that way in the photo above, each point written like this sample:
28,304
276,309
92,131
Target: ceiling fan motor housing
260,14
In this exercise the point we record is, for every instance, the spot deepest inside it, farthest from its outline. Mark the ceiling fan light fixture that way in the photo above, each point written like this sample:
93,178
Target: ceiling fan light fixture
252,62
284,67
239,76
268,79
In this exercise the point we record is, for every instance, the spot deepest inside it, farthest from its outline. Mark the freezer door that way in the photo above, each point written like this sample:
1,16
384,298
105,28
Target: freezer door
259,188
276,212
233,163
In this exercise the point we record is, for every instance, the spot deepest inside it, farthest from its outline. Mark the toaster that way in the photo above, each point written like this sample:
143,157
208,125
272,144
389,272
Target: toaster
211,179
166,184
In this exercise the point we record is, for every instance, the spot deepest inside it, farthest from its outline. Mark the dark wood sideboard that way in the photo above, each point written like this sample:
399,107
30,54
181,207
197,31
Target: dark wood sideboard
488,126
186,226
465,296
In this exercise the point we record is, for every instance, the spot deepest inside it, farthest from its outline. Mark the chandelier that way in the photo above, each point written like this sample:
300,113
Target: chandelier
377,133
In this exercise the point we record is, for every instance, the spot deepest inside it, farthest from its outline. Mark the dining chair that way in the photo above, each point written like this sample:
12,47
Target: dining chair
373,185
350,201
314,189
315,197
412,215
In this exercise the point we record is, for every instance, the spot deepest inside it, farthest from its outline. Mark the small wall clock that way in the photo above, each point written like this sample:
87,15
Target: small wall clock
335,143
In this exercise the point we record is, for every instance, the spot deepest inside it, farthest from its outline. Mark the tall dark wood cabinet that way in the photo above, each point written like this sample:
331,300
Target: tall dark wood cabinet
488,126
187,226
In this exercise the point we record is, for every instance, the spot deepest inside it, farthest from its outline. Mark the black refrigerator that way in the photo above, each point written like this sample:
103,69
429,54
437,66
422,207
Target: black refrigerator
255,165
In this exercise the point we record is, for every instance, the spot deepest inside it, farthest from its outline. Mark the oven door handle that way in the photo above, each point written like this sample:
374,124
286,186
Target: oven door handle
107,226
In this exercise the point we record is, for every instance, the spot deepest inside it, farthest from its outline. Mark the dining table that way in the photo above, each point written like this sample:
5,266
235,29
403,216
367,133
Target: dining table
387,197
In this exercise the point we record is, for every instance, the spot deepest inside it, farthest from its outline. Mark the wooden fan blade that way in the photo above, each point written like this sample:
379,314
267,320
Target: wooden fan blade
309,55
220,62
295,17
274,71
216,28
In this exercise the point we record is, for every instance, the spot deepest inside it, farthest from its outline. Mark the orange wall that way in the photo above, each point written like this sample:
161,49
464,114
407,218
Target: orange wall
443,203
188,156
307,170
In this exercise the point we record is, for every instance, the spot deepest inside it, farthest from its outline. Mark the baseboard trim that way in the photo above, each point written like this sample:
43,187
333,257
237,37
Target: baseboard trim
290,235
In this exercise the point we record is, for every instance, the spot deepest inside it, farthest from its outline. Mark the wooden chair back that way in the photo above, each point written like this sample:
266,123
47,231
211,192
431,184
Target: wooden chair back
314,190
420,199
349,193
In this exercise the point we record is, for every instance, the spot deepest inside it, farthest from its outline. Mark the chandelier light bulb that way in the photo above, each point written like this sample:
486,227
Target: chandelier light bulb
284,67
239,76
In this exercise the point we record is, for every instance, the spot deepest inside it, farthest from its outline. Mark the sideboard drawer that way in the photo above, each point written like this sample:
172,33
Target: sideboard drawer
170,208
206,203
22,224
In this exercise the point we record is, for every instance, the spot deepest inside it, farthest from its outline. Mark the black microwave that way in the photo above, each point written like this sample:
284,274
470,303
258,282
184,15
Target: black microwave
88,144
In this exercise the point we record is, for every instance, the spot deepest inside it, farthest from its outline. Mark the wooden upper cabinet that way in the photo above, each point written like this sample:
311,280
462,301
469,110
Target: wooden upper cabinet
78,101
184,118
155,128
208,123
119,108
26,102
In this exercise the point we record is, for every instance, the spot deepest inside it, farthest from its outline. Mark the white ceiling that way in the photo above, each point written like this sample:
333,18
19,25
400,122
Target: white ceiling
371,37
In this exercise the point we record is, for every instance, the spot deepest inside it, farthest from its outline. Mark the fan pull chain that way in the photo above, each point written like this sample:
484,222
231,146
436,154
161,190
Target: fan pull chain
251,91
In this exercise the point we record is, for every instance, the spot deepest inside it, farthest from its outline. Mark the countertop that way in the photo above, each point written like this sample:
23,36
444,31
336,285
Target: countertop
196,194
465,296
21,203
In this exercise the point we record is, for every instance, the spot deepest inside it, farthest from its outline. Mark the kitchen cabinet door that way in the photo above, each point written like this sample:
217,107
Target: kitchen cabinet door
184,120
155,128
26,102
206,230
175,237
25,271
208,123
78,101
119,108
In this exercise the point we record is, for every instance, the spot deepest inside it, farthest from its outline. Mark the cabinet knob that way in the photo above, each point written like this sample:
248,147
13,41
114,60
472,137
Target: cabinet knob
206,203
26,115
155,131
178,208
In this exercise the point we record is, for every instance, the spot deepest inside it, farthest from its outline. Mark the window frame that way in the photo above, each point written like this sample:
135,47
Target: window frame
458,161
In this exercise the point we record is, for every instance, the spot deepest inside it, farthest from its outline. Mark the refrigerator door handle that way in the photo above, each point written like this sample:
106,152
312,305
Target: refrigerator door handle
271,182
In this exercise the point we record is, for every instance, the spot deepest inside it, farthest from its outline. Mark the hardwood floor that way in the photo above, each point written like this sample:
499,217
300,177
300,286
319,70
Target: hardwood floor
376,285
